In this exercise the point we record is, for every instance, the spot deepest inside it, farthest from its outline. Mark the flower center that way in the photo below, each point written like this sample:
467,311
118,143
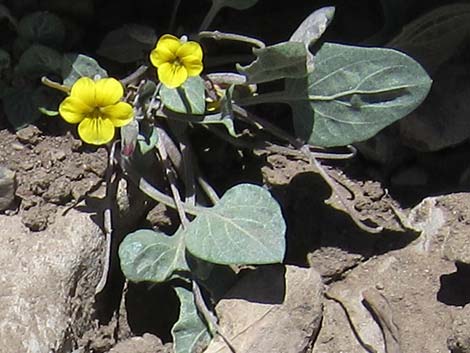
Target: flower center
96,113
177,62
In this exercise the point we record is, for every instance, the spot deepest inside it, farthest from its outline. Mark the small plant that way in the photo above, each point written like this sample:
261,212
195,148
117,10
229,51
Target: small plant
338,95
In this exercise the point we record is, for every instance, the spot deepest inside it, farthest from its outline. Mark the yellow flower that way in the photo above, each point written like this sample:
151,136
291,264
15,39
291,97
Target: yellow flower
176,60
96,108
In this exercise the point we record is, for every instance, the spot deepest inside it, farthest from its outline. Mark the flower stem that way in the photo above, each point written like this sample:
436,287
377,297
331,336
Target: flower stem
210,15
231,36
173,15
49,83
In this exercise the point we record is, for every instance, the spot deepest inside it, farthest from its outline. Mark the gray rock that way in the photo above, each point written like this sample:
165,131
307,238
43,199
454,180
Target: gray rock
47,283
273,309
459,341
148,343
7,188
457,247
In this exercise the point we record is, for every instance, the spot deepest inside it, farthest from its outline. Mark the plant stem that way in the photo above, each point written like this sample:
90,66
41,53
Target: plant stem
210,15
135,75
151,191
107,217
273,129
172,180
334,188
49,83
173,15
272,97
231,36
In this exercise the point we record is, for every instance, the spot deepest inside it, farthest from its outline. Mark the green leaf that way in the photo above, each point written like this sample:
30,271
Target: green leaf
354,92
190,334
42,27
288,59
235,4
83,8
147,139
187,99
147,255
436,36
76,66
245,227
311,29
6,14
48,112
130,43
5,60
19,107
219,118
39,60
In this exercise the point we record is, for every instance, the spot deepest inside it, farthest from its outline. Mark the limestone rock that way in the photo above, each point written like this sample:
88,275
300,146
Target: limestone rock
273,309
47,282
459,341
148,343
7,188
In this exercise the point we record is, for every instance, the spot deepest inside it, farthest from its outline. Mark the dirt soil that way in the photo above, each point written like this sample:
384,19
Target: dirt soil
51,171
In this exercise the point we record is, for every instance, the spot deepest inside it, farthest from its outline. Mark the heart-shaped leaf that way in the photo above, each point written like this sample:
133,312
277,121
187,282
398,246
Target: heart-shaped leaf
146,255
245,227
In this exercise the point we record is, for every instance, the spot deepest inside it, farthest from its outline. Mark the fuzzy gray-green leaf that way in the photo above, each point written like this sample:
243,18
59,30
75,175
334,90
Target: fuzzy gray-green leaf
354,92
288,59
190,334
76,66
147,255
189,98
245,227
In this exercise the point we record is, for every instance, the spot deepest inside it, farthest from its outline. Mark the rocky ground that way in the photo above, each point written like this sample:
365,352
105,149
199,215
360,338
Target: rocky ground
342,289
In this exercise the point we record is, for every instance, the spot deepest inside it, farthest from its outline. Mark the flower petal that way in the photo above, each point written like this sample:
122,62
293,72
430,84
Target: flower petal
190,49
119,114
193,65
108,92
73,110
165,51
84,88
96,131
171,75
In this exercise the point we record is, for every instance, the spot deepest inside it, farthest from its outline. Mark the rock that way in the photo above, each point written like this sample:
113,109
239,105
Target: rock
272,309
47,283
407,282
7,188
148,343
29,135
457,247
60,191
459,341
